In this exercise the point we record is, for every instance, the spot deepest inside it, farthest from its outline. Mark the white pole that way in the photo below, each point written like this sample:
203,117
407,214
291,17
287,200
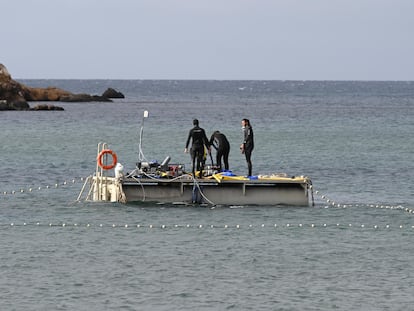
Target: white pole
141,153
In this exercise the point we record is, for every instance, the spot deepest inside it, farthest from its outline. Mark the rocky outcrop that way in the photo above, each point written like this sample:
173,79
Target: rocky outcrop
11,92
45,94
111,93
14,95
46,107
82,98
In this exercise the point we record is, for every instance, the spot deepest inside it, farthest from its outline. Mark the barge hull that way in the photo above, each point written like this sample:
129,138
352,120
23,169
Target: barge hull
253,192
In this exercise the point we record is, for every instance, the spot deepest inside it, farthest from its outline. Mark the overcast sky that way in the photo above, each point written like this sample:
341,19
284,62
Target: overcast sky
208,39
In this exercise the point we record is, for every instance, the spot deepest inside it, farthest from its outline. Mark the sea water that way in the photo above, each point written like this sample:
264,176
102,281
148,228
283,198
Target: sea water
352,250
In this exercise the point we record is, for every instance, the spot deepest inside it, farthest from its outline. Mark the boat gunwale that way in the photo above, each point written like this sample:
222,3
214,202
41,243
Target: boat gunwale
206,181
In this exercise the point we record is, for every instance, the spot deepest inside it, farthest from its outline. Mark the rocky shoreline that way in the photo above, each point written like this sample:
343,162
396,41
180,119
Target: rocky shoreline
15,95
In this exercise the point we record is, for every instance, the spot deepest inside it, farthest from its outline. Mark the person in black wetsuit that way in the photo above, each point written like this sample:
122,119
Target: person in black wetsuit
199,140
221,144
248,144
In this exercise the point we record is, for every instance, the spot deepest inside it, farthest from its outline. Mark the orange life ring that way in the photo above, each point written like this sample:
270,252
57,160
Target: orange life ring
114,159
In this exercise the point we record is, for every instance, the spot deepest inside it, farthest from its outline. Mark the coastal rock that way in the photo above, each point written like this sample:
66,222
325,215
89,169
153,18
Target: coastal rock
46,107
111,93
81,98
45,94
15,95
11,92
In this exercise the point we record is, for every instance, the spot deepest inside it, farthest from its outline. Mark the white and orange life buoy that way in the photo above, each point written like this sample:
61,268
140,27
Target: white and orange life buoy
100,159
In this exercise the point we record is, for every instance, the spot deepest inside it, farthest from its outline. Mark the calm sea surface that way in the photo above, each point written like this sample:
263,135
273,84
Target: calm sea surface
354,139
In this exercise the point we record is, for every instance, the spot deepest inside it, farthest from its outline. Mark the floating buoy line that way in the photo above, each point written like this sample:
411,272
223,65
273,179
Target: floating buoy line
330,203
286,226
148,227
46,187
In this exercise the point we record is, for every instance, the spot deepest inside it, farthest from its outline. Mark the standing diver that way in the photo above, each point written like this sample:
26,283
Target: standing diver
199,140
248,143
221,144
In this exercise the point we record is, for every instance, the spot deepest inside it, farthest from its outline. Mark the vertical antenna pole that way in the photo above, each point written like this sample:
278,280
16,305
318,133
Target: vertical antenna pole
141,133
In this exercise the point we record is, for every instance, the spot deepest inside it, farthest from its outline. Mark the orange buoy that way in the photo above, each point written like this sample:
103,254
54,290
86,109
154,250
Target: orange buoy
100,159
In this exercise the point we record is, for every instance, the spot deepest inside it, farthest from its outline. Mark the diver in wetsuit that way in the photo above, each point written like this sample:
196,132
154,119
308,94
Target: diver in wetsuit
221,144
199,140
248,144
